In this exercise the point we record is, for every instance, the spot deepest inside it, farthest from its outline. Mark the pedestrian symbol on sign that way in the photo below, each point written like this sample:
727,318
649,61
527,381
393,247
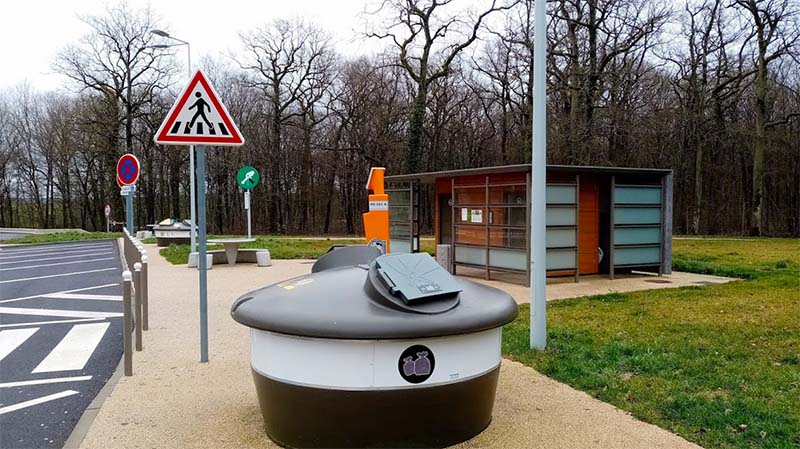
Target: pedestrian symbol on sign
201,106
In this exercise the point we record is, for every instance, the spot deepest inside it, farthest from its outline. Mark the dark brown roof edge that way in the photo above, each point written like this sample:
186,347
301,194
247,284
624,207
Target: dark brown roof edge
429,177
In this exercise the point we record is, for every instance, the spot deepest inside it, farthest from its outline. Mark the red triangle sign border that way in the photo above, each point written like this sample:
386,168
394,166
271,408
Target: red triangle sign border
234,139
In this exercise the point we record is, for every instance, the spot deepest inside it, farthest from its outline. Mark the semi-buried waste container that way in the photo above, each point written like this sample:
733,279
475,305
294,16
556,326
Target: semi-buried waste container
395,352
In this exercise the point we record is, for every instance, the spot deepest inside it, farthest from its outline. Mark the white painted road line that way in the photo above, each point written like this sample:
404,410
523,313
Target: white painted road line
26,247
54,380
75,349
83,296
74,273
56,264
102,253
29,249
55,254
37,401
56,293
41,323
57,312
11,339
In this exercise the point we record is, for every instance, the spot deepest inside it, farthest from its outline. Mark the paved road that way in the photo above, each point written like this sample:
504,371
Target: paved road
60,337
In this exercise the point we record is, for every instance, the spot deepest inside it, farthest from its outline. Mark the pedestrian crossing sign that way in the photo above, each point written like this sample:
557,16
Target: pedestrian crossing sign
198,117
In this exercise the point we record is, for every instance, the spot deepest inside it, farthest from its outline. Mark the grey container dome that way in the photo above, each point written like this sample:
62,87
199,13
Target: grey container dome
383,300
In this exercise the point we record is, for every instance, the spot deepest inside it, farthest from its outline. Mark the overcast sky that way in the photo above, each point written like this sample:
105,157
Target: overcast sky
33,31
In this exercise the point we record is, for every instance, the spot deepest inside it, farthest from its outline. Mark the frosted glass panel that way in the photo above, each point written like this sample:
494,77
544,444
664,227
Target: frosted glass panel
557,194
400,230
399,213
636,256
399,198
560,238
637,195
633,236
637,215
506,258
466,254
560,260
560,216
399,246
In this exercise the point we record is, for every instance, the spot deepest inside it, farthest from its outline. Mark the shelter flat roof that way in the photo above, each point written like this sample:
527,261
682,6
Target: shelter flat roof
430,177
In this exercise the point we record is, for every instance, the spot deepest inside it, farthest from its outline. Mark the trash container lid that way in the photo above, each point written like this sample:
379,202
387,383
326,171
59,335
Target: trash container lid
394,297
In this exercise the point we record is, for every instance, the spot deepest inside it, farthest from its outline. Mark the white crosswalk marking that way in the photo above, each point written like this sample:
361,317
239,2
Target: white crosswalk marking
11,339
37,401
75,349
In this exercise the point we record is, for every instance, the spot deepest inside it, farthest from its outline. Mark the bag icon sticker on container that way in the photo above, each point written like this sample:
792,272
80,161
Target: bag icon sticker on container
416,364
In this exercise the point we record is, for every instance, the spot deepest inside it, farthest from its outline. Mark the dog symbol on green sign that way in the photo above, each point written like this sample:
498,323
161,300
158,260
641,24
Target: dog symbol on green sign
247,177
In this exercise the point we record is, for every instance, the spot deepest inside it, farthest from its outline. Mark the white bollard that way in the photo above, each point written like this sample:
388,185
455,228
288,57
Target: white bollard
263,258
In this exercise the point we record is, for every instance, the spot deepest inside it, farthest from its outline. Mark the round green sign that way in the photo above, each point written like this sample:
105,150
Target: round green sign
247,177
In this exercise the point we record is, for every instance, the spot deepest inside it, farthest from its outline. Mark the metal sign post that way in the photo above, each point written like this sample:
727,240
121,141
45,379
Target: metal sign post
129,211
247,207
247,177
201,223
198,118
538,330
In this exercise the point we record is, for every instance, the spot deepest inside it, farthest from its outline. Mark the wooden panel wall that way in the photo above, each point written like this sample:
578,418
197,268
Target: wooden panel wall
589,225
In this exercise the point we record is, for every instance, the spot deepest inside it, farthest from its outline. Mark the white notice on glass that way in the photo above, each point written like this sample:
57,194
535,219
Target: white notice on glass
464,214
477,215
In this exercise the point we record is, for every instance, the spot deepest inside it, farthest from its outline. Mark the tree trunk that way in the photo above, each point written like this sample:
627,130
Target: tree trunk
415,128
761,136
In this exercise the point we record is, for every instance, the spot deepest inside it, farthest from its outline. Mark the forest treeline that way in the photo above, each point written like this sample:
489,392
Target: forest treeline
708,88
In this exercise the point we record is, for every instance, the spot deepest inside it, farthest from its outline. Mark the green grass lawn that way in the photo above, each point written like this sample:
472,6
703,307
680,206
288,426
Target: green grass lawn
279,247
719,365
58,237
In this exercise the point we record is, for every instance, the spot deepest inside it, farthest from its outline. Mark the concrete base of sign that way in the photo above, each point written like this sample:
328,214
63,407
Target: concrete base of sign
194,260
144,234
246,255
263,258
437,416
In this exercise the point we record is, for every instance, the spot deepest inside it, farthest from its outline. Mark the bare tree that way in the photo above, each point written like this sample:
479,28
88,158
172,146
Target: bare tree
776,34
288,61
423,33
120,62
589,36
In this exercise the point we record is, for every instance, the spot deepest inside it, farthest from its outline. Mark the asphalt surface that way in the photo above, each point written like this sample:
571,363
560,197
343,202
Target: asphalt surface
60,337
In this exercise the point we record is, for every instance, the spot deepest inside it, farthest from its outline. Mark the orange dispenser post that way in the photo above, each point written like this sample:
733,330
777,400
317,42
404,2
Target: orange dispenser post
376,221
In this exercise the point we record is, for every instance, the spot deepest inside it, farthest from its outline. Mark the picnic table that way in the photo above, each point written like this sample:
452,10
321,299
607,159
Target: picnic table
231,246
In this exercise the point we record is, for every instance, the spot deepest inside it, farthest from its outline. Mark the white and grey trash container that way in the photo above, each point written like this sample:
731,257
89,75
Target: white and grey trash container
375,350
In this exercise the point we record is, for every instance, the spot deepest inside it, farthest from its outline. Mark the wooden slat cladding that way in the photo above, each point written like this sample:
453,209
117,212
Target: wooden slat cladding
589,222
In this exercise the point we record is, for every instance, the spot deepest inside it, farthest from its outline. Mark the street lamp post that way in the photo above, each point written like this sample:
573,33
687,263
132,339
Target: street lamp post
191,147
538,329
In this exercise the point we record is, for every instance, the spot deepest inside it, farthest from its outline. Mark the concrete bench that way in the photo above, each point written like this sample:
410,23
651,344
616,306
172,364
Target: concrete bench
246,255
